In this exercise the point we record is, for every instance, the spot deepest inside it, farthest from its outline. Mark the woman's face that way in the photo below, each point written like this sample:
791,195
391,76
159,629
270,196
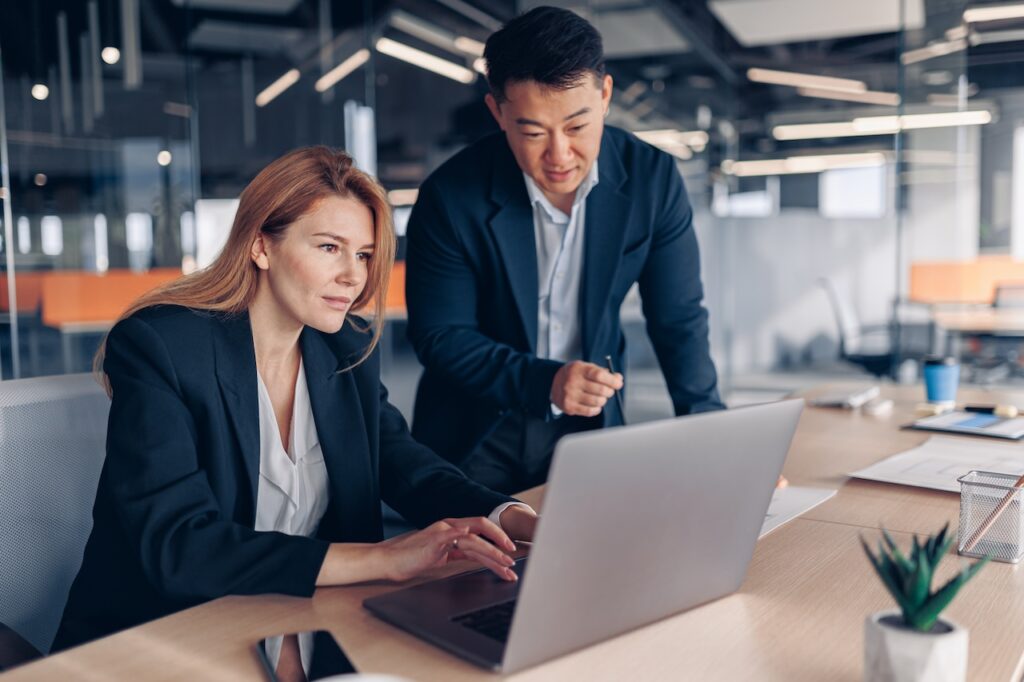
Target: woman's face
316,272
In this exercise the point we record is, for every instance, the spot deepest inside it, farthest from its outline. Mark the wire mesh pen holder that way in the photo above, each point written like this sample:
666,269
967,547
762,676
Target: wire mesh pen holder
981,494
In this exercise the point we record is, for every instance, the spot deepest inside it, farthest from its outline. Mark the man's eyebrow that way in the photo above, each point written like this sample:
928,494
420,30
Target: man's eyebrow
343,240
531,122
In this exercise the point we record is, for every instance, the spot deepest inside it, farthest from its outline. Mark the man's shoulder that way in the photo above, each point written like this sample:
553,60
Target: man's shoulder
471,165
634,152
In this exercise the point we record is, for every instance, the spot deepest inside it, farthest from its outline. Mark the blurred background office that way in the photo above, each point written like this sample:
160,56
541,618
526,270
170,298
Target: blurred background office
856,169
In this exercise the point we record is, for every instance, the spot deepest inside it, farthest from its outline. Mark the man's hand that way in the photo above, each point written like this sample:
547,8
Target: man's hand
582,388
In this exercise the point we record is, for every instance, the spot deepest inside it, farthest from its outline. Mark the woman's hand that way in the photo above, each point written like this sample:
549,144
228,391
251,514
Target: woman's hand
476,539
519,522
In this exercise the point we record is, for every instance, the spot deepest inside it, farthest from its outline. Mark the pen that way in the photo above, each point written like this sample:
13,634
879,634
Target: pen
618,396
1005,411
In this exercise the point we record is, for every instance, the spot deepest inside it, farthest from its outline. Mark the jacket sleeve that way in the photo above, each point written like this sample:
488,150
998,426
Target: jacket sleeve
441,293
419,484
672,293
187,547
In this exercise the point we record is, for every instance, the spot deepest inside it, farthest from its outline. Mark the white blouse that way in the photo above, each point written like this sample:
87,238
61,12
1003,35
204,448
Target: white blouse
292,495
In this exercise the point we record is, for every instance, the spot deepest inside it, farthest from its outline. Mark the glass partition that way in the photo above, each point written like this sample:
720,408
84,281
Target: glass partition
830,161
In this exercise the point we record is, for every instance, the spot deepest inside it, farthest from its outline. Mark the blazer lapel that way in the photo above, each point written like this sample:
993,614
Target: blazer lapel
607,216
235,367
342,430
512,226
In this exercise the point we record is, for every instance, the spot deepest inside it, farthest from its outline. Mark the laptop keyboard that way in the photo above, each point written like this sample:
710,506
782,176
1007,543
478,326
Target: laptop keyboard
492,621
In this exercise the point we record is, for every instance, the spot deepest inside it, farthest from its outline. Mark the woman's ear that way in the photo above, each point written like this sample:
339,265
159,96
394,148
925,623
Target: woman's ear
258,253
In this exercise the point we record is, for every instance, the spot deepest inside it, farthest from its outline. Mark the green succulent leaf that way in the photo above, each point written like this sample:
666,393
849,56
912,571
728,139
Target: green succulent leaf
909,580
920,581
894,551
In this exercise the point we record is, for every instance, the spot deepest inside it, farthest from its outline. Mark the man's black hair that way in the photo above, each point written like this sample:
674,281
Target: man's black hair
549,45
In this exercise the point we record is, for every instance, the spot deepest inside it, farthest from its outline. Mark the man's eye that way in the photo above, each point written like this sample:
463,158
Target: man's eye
576,129
532,136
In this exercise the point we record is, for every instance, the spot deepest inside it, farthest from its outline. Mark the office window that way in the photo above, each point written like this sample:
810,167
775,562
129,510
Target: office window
24,235
52,235
853,192
99,226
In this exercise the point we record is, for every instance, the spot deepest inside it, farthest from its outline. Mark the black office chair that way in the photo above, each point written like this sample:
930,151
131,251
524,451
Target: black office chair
870,348
997,356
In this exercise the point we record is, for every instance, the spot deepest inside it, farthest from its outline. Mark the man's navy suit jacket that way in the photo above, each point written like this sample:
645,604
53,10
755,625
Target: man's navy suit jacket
472,291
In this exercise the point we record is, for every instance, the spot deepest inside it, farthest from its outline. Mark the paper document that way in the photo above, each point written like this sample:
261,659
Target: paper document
789,503
941,460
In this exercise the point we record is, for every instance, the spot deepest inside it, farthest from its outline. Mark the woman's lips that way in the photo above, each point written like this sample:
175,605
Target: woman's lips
338,302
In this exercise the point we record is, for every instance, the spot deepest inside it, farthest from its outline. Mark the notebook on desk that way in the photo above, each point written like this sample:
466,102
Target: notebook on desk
973,424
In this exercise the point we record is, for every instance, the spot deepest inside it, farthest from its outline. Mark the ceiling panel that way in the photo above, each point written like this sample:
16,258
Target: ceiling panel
224,36
247,6
771,22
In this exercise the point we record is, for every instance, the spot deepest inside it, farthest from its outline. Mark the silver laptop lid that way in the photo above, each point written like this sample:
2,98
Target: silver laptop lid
645,521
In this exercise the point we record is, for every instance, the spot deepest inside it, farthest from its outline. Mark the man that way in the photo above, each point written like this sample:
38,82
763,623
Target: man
521,249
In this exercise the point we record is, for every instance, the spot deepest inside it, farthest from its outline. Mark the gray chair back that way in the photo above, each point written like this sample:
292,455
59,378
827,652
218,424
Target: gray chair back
52,445
1008,295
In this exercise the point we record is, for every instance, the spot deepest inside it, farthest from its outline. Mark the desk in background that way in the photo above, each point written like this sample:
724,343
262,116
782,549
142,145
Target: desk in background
798,616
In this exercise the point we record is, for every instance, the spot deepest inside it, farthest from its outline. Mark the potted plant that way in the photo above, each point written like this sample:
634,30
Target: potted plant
913,643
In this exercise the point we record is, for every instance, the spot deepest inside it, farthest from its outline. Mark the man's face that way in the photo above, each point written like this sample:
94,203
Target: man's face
555,135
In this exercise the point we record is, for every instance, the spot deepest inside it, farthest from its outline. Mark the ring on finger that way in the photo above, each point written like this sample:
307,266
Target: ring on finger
455,543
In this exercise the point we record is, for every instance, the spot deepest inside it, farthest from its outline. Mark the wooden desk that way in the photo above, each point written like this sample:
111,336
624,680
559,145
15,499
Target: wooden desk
798,616
981,321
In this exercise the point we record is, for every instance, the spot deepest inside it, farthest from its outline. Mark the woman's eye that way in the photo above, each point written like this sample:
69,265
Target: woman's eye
329,248
363,256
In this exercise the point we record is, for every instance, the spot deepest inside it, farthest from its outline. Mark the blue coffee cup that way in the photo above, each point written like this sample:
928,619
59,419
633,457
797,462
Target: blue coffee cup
941,377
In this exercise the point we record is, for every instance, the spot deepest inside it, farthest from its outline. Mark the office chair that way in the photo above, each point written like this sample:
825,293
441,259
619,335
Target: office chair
996,356
51,453
1008,295
871,349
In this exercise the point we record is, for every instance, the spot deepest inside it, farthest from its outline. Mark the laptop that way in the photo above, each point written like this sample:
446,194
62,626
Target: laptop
639,523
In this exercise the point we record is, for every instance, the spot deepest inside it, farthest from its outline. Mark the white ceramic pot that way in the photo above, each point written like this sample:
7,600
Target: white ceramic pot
894,652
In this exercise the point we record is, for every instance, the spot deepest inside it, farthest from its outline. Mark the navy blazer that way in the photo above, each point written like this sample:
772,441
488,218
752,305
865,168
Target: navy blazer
176,508
471,287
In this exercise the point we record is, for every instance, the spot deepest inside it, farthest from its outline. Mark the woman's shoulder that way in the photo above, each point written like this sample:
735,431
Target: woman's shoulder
177,325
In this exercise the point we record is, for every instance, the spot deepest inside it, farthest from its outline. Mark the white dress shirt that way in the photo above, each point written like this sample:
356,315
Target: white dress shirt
559,239
292,494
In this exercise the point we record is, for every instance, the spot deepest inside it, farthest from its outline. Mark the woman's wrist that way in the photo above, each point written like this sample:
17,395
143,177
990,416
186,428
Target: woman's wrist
351,562
518,522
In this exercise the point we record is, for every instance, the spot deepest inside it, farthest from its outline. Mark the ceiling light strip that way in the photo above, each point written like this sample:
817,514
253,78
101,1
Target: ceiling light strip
332,77
271,92
425,60
807,80
880,125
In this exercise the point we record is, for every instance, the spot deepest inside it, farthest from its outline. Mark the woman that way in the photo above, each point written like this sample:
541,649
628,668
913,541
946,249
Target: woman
250,442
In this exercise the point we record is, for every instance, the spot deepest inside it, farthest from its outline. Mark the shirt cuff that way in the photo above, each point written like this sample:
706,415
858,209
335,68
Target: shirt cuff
555,412
495,516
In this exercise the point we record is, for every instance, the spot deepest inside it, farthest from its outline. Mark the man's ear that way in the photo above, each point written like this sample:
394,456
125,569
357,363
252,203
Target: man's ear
606,92
258,253
495,108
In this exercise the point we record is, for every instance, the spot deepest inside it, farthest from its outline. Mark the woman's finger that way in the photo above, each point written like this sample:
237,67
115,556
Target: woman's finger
485,527
501,569
476,545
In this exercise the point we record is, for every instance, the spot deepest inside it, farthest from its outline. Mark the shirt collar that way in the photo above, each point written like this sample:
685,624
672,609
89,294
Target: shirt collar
537,196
